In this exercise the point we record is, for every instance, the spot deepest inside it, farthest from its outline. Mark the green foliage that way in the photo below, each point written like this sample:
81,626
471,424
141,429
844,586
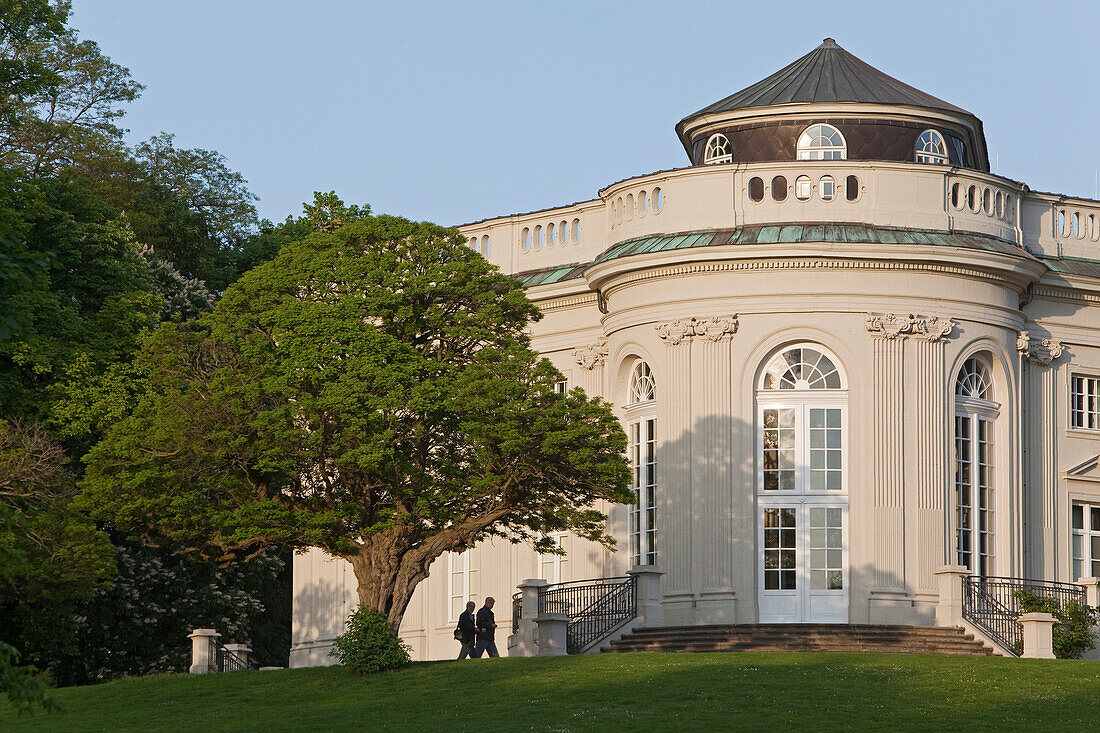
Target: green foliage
1073,633
368,644
24,688
60,552
326,214
64,98
28,27
371,392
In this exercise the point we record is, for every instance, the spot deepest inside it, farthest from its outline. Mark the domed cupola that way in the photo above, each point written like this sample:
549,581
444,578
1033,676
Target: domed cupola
830,105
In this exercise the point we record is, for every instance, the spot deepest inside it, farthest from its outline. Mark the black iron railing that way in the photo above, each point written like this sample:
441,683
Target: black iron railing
993,605
517,609
595,608
220,659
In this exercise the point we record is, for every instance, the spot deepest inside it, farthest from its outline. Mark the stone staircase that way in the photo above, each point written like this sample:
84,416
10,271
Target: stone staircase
801,638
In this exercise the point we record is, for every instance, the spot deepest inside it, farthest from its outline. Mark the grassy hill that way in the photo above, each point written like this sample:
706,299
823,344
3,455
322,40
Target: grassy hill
635,692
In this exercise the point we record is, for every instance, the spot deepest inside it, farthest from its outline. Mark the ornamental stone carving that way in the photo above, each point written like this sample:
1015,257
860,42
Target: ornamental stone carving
1038,351
713,328
890,326
592,355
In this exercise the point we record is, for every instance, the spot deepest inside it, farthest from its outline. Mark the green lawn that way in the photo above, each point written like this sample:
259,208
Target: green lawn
636,692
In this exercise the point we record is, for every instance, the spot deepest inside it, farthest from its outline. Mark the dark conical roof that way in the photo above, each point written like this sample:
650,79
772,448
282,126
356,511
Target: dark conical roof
827,74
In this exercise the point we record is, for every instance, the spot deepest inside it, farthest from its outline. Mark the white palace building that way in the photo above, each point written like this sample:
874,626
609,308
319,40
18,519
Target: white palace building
859,373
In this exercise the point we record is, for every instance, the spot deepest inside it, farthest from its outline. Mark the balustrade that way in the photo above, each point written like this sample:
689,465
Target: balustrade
870,193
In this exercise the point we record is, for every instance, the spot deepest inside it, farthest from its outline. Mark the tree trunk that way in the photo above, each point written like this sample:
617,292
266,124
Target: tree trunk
388,572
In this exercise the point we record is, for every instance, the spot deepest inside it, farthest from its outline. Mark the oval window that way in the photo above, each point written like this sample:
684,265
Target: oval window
756,188
851,188
803,188
779,188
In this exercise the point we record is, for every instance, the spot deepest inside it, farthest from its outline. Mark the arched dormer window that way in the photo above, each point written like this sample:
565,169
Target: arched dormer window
975,417
717,150
822,142
931,148
642,452
642,386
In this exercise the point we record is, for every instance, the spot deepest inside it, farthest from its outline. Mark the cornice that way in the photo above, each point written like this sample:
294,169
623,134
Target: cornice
558,304
890,326
653,272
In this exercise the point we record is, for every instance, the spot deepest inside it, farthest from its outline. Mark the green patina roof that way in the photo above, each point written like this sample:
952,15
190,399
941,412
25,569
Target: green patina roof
793,233
1073,266
549,275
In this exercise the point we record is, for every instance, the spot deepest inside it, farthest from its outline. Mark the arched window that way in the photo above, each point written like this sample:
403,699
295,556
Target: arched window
822,142
931,148
642,387
717,150
802,488
801,368
975,415
642,451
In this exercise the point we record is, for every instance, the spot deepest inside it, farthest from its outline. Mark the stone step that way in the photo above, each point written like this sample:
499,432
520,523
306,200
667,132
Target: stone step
801,637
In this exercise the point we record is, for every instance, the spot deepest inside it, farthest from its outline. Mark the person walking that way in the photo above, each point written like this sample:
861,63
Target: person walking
486,630
466,631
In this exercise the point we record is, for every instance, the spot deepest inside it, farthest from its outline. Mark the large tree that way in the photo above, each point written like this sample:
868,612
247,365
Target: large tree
371,392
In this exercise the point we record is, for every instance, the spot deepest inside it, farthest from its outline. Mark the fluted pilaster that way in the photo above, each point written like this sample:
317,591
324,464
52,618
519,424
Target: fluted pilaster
674,461
909,510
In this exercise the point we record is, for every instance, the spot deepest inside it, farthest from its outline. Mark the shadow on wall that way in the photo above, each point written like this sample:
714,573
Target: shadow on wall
322,606
707,528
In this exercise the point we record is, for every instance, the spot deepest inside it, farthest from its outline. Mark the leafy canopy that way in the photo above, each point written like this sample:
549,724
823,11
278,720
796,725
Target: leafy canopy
371,392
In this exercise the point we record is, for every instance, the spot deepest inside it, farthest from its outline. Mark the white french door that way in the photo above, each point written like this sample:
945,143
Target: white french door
802,488
803,561
803,512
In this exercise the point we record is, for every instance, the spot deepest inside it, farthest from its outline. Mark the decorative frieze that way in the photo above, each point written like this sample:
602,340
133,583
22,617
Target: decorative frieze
592,355
890,326
713,328
1038,351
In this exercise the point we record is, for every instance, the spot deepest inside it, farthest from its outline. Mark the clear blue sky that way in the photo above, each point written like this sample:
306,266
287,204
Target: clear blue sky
457,111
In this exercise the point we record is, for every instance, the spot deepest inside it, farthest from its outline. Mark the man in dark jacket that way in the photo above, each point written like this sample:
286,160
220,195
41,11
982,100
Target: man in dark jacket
486,630
466,631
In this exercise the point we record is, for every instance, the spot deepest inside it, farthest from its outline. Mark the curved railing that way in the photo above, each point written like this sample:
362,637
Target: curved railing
994,605
596,608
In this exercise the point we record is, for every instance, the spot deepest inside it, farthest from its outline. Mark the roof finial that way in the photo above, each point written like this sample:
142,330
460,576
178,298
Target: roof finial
828,42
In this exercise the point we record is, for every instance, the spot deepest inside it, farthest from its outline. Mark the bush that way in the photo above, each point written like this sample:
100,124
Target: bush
1072,634
369,644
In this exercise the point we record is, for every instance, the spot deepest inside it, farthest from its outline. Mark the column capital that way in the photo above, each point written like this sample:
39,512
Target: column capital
892,326
591,355
1043,352
713,328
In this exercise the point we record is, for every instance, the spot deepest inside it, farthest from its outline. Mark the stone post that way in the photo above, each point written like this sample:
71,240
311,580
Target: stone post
648,580
1092,598
524,639
1092,590
240,651
553,628
949,608
1038,635
200,649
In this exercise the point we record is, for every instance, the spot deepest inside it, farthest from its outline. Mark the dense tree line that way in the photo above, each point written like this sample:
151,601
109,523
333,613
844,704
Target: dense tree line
100,244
